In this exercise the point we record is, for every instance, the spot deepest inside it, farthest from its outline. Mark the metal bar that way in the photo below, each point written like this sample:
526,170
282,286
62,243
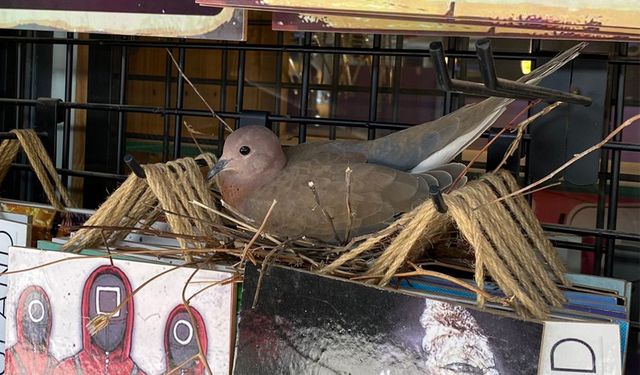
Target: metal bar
292,48
168,82
9,135
121,115
612,213
19,81
395,85
335,84
304,90
224,67
603,174
495,84
278,82
66,129
606,233
242,59
179,102
534,48
137,169
451,101
375,79
622,146
75,173
286,85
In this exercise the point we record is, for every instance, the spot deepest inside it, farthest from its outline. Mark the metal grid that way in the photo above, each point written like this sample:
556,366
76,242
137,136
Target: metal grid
19,109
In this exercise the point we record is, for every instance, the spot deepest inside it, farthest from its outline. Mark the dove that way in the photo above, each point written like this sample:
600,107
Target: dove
389,176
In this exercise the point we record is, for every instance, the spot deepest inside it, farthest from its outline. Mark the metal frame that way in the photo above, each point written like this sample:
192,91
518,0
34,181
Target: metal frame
16,45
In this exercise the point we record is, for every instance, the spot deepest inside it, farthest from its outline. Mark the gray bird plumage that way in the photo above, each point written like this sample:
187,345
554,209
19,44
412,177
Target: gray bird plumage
391,175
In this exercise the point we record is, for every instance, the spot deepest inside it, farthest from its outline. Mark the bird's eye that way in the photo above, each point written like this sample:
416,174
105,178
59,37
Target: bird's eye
245,150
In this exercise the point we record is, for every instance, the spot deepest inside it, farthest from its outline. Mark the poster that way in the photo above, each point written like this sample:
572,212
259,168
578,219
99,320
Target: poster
589,18
15,230
48,311
305,323
344,24
165,18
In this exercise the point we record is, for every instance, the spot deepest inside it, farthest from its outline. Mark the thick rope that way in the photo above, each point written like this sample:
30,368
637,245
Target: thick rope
168,188
41,163
8,151
176,184
535,232
523,259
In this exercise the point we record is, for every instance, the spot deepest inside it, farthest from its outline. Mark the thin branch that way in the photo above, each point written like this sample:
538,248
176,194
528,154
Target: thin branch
237,222
574,159
101,321
191,133
245,252
181,365
185,302
106,246
347,176
215,115
263,269
521,129
422,272
316,196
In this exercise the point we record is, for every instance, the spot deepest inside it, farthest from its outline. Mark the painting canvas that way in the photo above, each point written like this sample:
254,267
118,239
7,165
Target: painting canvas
49,308
15,230
305,323
553,17
166,18
359,24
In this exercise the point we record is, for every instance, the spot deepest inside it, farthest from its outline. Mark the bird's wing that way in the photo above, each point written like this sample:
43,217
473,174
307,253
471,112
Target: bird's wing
377,195
328,152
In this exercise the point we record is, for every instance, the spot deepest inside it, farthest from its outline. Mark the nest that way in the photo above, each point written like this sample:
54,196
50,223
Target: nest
478,233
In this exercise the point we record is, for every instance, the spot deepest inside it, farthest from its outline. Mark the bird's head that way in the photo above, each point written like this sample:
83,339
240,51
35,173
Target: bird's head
252,155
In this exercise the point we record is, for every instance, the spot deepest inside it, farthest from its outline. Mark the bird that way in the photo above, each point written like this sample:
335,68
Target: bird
335,190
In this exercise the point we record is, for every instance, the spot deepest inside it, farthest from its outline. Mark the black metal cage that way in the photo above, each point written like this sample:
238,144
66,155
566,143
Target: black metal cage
26,100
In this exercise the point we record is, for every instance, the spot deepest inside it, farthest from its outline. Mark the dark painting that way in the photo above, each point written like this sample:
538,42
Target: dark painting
184,7
303,323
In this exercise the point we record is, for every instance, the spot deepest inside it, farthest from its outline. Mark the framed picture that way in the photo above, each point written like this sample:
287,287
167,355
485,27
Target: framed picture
49,309
557,20
165,18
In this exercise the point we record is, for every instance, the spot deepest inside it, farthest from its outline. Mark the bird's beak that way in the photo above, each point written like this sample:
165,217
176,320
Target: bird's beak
217,168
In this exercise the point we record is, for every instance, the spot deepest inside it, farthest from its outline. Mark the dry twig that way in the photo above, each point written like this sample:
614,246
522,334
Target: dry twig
326,215
245,252
521,127
215,115
575,158
347,176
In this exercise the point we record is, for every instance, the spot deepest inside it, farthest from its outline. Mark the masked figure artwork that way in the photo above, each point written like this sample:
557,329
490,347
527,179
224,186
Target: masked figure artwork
30,354
108,351
181,342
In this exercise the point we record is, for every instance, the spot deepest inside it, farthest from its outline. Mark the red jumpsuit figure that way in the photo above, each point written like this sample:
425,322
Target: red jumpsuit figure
181,344
107,352
30,354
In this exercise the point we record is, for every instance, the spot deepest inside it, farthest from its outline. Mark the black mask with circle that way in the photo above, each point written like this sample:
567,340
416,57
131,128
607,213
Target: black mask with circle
36,316
107,292
183,343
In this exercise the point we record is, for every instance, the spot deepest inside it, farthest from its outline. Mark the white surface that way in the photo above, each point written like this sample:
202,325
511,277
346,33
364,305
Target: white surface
16,233
592,348
64,283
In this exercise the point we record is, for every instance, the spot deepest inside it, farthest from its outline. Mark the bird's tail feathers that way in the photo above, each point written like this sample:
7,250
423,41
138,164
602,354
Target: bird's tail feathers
553,65
445,175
